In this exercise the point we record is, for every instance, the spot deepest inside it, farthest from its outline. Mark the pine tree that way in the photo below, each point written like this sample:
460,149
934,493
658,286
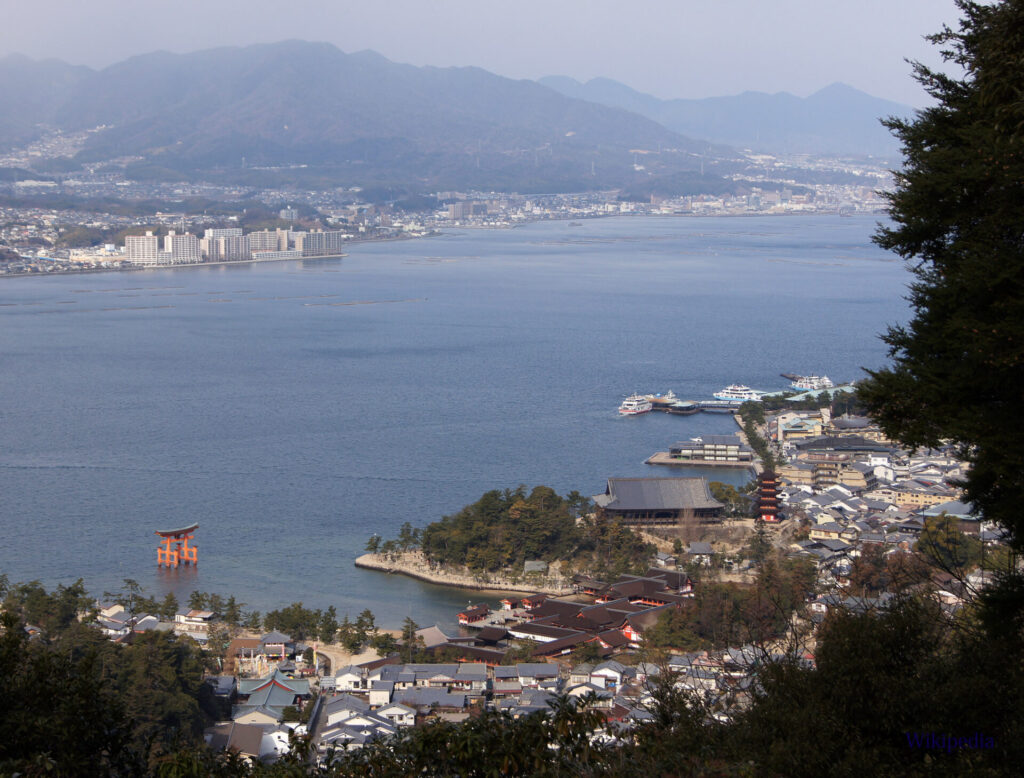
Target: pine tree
169,607
233,611
957,212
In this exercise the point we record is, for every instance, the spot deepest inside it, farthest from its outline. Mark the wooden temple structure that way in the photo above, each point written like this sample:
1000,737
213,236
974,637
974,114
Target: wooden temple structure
175,549
768,497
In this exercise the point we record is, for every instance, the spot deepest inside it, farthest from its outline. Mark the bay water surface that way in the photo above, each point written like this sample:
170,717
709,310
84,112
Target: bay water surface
293,409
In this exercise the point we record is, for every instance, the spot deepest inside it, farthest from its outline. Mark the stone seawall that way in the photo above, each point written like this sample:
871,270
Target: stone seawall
414,565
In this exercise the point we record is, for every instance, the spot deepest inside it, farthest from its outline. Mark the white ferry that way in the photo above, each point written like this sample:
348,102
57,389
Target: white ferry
738,392
634,404
812,383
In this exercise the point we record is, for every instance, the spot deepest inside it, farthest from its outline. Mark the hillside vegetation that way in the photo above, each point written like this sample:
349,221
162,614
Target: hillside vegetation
504,529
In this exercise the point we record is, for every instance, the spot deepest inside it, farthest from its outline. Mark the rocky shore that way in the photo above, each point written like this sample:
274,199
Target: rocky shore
415,565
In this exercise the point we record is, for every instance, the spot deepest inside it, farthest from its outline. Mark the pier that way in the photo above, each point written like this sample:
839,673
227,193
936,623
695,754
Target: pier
689,407
666,458
719,406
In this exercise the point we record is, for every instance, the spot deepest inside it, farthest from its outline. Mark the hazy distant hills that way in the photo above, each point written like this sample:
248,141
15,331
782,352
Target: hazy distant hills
350,118
309,114
835,120
31,93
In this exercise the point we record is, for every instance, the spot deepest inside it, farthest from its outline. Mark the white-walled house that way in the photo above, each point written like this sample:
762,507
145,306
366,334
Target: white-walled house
398,714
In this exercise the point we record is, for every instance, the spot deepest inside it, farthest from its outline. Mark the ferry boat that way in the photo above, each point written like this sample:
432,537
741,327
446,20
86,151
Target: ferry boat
634,404
738,392
812,383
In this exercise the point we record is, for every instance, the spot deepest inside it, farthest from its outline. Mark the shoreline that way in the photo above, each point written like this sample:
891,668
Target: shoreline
411,564
219,263
436,233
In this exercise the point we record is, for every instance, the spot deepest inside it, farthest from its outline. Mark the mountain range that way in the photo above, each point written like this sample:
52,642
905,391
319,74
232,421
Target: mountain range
835,120
310,114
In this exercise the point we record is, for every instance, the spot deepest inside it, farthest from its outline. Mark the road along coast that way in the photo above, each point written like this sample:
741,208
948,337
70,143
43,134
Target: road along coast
415,565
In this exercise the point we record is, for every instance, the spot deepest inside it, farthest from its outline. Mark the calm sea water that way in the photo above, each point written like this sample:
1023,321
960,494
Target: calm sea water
293,409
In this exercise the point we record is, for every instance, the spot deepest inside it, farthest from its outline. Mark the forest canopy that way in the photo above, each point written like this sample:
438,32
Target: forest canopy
504,529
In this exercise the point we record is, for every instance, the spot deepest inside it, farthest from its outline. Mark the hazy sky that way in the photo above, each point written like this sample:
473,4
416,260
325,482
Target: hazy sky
670,48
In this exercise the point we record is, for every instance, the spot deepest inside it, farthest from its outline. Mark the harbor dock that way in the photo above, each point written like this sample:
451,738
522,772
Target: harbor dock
689,407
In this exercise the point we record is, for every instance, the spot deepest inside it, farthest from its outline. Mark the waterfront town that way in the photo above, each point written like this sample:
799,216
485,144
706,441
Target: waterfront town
99,221
824,580
860,521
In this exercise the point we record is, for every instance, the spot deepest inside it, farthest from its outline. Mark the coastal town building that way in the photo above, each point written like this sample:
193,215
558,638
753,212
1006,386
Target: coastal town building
181,249
142,249
265,240
224,245
712,448
323,243
266,698
659,501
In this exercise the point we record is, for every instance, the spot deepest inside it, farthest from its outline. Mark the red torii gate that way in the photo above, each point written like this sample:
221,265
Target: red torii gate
175,548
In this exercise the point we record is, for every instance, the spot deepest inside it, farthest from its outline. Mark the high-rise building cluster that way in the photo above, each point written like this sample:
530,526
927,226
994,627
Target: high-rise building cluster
231,244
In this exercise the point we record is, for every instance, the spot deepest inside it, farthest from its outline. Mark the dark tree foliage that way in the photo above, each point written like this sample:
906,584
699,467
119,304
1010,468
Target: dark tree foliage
50,611
958,365
505,528
232,611
297,621
607,548
758,443
168,607
882,678
946,547
727,494
870,572
752,410
58,717
559,744
727,614
159,681
76,704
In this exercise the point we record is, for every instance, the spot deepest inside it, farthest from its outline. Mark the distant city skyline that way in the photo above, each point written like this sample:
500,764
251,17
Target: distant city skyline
667,48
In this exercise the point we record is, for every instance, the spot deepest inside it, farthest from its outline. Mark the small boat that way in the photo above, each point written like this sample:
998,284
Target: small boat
635,404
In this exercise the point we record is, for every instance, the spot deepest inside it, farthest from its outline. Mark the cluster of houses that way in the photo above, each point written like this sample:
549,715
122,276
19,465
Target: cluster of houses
614,621
859,490
118,622
357,704
361,703
257,729
854,488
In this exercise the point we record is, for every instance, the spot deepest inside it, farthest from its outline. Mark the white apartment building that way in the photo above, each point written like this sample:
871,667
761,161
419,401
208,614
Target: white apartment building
143,249
225,248
323,243
264,240
182,249
223,232
233,247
